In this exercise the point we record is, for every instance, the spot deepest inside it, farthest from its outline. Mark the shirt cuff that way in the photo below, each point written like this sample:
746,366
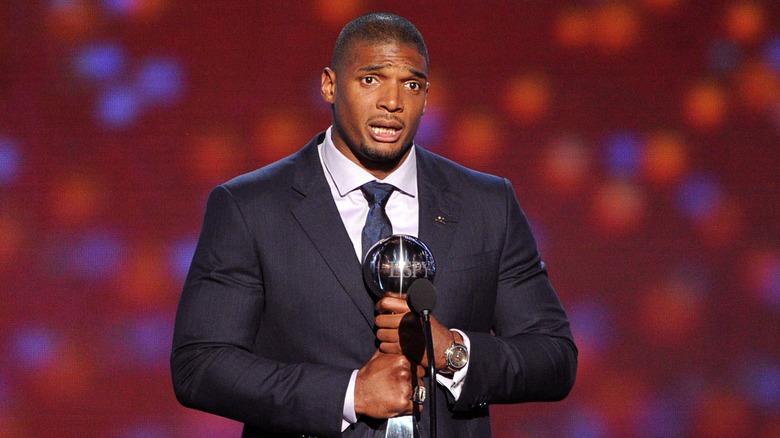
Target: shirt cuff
349,416
454,384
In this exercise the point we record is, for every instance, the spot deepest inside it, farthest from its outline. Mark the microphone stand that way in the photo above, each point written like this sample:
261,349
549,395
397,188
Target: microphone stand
426,317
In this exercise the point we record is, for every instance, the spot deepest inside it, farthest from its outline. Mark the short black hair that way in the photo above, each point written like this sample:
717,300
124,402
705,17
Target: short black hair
377,27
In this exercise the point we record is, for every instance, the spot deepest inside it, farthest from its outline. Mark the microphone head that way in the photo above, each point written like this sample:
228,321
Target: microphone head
421,296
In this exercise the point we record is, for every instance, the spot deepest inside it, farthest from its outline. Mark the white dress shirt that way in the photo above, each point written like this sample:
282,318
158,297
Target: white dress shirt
345,178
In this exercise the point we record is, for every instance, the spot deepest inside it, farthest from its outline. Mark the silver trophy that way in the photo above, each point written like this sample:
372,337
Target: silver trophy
390,267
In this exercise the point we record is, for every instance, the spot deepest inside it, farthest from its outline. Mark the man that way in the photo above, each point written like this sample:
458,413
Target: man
276,327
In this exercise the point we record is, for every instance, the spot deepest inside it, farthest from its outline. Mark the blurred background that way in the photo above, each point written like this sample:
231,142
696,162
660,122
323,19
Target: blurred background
642,136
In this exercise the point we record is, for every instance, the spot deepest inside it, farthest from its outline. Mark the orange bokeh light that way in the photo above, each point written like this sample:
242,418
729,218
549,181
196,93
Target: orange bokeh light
619,206
76,199
279,134
528,97
745,21
616,26
666,158
567,165
758,87
574,28
338,13
705,105
476,137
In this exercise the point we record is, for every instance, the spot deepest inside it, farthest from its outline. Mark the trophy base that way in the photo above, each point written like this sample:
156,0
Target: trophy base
402,427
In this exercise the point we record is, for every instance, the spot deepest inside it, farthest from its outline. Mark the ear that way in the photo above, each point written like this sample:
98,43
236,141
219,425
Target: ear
425,104
328,85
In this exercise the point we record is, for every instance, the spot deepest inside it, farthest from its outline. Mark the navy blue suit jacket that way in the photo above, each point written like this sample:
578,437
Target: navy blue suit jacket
274,315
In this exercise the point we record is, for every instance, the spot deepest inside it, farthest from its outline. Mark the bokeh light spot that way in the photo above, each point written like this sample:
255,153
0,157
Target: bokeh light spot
761,383
118,107
772,53
586,422
667,158
619,206
100,61
704,106
616,26
279,133
180,256
698,196
432,129
744,21
97,255
528,97
670,314
624,154
592,325
758,87
71,19
161,80
75,199
573,28
566,164
10,160
35,347
476,137
338,13
148,340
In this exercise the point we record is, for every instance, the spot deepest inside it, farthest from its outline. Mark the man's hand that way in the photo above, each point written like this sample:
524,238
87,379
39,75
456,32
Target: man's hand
383,388
400,332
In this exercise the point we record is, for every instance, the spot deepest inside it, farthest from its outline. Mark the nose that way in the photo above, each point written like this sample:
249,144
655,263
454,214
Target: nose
390,99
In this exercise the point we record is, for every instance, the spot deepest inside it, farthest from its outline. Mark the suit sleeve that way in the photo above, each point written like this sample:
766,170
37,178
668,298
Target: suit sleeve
531,355
214,365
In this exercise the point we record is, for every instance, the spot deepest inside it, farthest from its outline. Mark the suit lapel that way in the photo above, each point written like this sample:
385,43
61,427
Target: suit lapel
438,206
318,216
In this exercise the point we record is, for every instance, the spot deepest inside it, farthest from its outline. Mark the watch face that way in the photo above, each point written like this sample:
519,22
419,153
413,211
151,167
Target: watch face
457,356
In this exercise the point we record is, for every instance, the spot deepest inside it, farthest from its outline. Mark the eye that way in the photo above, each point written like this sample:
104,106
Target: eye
414,86
368,80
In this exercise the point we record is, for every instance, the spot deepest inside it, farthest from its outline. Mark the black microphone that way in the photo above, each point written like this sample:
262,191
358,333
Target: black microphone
421,298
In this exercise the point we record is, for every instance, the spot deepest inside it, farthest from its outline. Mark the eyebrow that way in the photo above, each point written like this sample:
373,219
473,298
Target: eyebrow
377,67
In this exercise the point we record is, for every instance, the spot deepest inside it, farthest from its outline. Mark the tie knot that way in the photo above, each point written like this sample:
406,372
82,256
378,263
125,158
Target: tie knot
377,192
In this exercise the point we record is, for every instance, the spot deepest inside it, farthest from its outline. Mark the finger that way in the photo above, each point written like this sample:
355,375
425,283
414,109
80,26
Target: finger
387,335
388,321
392,305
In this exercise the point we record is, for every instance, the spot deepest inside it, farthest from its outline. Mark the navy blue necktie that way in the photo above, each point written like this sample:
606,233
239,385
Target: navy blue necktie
377,223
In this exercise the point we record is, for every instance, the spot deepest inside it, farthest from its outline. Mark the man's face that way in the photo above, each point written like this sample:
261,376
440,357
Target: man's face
378,98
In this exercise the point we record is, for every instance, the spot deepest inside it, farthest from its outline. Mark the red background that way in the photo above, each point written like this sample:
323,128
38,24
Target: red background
641,136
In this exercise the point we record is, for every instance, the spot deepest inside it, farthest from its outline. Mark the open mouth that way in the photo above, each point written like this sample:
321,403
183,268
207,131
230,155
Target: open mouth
385,133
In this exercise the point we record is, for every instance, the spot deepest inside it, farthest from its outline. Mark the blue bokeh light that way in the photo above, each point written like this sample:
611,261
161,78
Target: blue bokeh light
10,160
161,80
664,415
624,154
772,53
148,340
97,255
761,379
586,423
118,107
432,129
121,8
592,326
698,196
34,348
180,256
100,61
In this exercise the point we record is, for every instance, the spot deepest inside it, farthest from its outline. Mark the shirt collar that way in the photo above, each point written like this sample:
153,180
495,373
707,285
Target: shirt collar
348,176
